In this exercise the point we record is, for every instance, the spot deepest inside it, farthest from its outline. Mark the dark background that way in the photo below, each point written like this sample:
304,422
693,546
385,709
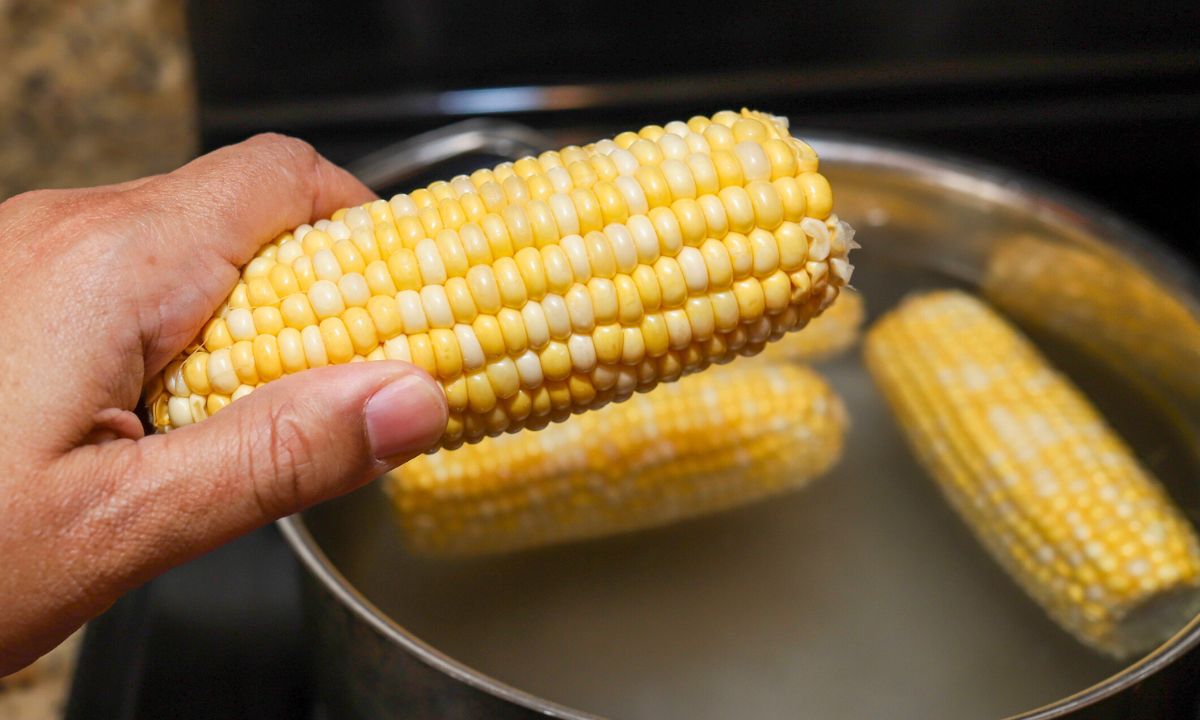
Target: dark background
1102,97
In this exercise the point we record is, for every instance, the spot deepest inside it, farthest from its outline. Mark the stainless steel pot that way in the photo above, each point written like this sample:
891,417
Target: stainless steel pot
860,597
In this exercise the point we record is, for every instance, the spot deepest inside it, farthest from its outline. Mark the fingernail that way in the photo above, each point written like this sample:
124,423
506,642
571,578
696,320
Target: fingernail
404,417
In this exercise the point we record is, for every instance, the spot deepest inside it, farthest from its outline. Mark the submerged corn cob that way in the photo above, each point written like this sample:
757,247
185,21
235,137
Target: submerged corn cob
545,286
697,446
832,332
1102,304
1047,486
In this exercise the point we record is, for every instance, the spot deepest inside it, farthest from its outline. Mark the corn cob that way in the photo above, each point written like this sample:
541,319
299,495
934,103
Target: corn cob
704,444
1100,303
545,286
832,332
1051,491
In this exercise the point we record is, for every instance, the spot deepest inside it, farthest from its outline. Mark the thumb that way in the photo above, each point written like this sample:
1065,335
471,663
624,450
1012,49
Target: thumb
291,443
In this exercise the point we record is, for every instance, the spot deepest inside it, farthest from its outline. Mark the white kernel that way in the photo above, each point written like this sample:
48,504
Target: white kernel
695,272
558,320
468,344
241,392
583,352
314,346
326,299
397,349
355,292
437,306
579,307
626,163
679,329
358,219
677,127
179,409
624,250
634,196
672,146
755,165
326,266
301,231
645,238
412,312
462,185
606,147
322,225
564,213
241,324
289,251
697,144
429,261
338,230
403,206
536,327
529,368
576,251
560,179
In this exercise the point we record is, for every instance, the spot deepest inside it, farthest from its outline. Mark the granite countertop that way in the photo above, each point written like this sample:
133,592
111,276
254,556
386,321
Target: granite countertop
93,92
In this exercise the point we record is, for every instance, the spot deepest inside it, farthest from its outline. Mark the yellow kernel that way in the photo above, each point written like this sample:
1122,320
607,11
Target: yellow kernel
260,292
446,352
782,158
519,229
666,226
540,187
777,292
461,302
654,185
519,406
316,240
379,279
452,213
387,239
817,194
242,357
671,281
411,231
305,274
700,316
651,132
750,300
625,139
216,402
729,168
582,173
604,167
456,393
716,259
793,246
510,282
512,329
768,206
738,209
607,341
629,300
646,152
503,377
431,221
490,336
266,358
268,320
587,208
556,360
361,329
349,257
764,251
612,204
297,312
238,298
533,273
560,394
283,280
726,311
741,257
338,346
692,226
559,276
603,294
581,388
633,345
749,129
542,223
195,373
454,256
421,349
405,270
496,231
648,288
654,334
600,255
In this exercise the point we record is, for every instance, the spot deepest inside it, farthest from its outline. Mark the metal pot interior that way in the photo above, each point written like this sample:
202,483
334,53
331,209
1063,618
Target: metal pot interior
860,596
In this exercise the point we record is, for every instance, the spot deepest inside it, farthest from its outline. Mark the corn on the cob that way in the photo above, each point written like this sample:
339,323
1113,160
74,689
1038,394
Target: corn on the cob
832,332
703,444
1100,303
544,286
1051,491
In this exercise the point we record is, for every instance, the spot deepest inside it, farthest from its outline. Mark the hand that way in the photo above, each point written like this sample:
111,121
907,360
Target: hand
99,290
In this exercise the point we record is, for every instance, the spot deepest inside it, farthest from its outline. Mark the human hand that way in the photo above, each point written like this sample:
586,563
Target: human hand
99,290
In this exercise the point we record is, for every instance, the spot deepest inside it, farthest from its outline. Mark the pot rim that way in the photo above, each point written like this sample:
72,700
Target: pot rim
1042,200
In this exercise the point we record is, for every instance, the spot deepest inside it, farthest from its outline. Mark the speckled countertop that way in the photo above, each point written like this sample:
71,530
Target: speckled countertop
91,92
